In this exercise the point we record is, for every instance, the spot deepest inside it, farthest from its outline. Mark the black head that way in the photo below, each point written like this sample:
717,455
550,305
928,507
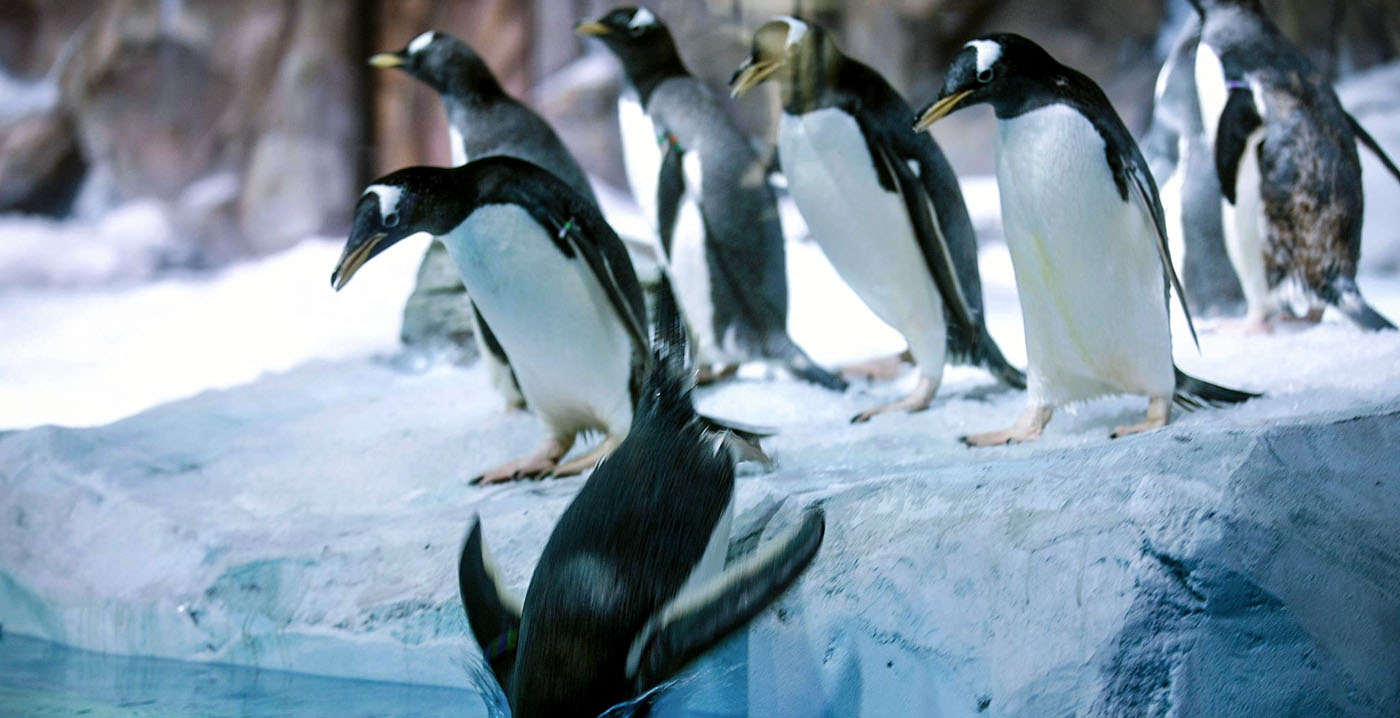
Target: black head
393,207
639,39
1004,70
783,49
444,63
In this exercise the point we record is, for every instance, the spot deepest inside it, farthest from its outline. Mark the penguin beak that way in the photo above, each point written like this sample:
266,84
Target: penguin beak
354,256
385,60
939,110
591,29
751,74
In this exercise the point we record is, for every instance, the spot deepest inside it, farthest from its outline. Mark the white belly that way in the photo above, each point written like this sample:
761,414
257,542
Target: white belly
641,155
1087,270
1210,90
570,353
863,230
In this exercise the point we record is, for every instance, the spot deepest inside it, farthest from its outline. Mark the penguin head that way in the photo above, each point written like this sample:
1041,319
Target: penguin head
638,38
442,62
782,49
387,212
1000,70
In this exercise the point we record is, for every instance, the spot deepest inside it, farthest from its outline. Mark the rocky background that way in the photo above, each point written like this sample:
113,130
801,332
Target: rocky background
251,125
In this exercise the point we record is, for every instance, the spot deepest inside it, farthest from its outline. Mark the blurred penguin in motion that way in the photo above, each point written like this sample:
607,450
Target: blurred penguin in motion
632,584
880,199
1285,154
550,277
1086,234
701,184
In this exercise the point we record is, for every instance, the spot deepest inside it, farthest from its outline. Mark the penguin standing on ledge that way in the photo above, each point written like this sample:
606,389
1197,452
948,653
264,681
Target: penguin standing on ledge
880,199
702,185
1285,154
482,120
550,276
632,584
1085,229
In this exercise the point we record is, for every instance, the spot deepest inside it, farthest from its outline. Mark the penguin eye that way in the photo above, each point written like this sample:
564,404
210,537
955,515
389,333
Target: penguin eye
391,219
985,76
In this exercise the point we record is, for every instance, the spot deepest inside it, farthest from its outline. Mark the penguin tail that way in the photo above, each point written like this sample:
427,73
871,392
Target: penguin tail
781,346
1193,393
1348,299
984,353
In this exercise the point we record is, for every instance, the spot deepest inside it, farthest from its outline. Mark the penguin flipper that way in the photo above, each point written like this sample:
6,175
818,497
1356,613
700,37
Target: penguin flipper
1192,393
1370,142
1238,121
588,235
670,189
1145,194
693,622
932,242
493,611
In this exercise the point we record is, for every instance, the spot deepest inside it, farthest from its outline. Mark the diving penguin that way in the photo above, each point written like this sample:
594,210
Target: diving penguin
1285,154
701,183
548,274
1085,230
632,584
880,199
482,120
1184,167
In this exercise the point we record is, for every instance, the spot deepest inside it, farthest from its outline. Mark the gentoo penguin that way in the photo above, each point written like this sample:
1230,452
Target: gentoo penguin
1285,154
1085,230
632,584
548,274
1184,167
482,120
703,186
880,200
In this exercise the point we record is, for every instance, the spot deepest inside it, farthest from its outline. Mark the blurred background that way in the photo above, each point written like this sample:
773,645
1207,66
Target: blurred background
151,150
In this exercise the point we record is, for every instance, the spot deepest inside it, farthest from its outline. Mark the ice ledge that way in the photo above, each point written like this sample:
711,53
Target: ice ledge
310,521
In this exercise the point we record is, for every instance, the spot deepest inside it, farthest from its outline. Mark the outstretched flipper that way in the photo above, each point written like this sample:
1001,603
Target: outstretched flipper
696,620
493,612
1193,393
1370,142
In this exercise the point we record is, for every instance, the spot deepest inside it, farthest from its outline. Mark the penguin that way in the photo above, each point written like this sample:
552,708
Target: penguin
1286,158
548,274
483,120
1182,165
632,584
880,200
701,183
1087,238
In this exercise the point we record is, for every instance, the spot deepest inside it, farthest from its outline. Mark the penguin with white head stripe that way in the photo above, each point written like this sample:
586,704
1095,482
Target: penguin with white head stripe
632,584
1085,230
1285,155
551,277
702,185
484,120
880,199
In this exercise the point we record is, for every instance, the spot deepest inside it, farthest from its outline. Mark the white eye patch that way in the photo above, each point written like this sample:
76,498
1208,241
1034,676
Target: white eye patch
641,18
796,30
389,197
988,52
421,42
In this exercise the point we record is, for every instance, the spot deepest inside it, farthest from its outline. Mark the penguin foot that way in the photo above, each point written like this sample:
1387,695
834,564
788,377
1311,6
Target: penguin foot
536,464
1159,412
1254,324
1027,428
587,461
917,401
710,375
883,368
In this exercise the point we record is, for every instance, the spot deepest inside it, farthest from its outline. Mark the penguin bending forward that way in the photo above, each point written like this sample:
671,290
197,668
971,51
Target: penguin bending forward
1285,154
549,275
632,584
483,120
880,200
702,185
1085,230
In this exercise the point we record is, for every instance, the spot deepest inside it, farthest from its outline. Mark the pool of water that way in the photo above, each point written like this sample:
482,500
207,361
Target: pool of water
38,678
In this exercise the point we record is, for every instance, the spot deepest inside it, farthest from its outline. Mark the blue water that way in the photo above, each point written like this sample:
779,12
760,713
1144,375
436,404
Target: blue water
38,678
